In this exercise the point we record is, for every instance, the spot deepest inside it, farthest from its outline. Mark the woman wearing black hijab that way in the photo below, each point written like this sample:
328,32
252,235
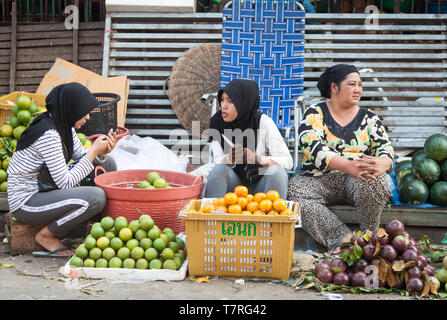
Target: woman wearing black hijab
257,156
346,155
42,188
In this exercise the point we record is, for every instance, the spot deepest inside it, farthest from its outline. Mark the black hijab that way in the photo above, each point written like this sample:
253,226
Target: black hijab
245,96
66,104
333,74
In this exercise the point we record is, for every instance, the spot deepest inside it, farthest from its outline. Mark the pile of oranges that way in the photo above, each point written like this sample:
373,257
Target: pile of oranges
241,202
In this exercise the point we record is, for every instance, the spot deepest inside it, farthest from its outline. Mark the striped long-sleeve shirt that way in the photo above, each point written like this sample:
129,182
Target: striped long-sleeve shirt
26,164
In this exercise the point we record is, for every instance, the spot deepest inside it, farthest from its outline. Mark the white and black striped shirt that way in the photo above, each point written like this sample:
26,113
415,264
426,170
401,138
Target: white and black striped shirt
26,164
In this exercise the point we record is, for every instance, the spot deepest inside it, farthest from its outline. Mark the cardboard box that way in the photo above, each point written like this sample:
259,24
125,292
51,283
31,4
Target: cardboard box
151,6
63,72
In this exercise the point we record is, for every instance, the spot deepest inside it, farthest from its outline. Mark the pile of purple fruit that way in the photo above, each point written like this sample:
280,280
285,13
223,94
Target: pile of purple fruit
389,258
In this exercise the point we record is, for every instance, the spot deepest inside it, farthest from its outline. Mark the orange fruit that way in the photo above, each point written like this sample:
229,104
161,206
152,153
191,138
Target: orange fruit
241,191
235,209
246,212
252,206
249,197
207,208
242,202
259,196
222,208
219,202
280,205
286,212
272,195
230,198
259,213
265,205
215,202
272,213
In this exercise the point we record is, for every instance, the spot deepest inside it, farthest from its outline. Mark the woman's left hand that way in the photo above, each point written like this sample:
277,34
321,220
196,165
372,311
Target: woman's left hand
375,166
249,156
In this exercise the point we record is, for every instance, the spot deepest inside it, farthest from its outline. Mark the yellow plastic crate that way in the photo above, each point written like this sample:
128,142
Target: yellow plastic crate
235,245
6,107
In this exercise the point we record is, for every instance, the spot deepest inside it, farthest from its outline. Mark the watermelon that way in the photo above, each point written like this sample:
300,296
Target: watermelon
401,165
413,191
427,170
403,172
417,157
438,193
435,147
405,178
444,170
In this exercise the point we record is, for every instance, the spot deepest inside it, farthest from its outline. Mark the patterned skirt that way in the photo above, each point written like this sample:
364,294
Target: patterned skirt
314,194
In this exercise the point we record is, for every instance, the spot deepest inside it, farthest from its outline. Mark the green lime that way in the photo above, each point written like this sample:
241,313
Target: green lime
137,253
14,122
150,254
142,264
89,263
3,175
120,222
81,252
153,233
103,242
107,223
4,186
178,261
171,235
102,263
180,242
95,253
140,234
23,102
160,183
116,243
167,253
90,242
169,264
166,230
180,256
173,245
155,264
152,176
76,261
82,137
15,110
24,116
32,108
159,244
97,231
143,184
146,243
125,234
108,253
134,225
132,243
123,253
129,263
110,235
115,262
146,222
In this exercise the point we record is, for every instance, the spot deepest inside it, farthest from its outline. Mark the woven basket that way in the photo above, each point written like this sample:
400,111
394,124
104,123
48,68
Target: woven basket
104,116
194,74
163,205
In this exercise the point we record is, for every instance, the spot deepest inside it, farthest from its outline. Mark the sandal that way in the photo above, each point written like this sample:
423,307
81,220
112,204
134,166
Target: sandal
52,254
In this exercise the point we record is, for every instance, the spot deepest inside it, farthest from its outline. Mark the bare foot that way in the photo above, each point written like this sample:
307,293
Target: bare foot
50,242
337,250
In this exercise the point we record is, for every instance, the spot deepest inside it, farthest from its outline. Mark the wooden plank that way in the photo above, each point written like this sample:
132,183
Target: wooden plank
13,61
76,38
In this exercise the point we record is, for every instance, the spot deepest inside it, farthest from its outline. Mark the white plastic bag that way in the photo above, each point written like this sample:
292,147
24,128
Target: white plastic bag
133,152
204,171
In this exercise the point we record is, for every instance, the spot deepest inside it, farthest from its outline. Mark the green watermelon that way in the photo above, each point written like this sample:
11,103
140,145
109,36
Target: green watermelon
435,147
401,165
402,173
405,178
417,157
413,191
427,170
438,193
444,170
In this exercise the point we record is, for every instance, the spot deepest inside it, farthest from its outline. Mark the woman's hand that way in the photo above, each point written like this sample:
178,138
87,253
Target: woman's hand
374,166
111,140
99,146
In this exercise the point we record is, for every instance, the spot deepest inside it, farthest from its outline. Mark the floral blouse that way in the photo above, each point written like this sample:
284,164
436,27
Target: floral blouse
321,138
